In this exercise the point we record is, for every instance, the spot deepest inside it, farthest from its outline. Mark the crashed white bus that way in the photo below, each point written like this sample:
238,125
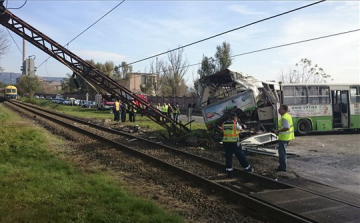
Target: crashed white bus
314,107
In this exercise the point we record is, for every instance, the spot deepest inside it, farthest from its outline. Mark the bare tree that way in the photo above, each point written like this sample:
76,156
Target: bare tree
4,45
156,68
175,70
304,72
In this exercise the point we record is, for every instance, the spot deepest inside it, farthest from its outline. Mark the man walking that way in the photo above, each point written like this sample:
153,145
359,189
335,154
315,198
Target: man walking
286,134
230,140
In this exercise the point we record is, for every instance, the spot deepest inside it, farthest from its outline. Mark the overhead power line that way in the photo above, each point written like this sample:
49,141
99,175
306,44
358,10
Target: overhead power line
17,7
96,22
67,44
274,47
231,30
14,41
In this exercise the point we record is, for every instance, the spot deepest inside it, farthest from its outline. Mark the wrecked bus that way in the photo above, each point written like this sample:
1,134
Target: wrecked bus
255,102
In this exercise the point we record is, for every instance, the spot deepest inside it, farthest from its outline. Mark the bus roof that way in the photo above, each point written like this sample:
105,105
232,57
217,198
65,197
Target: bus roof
332,86
321,84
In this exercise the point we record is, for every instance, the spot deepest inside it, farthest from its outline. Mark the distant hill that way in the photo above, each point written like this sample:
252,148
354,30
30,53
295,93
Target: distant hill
10,78
51,79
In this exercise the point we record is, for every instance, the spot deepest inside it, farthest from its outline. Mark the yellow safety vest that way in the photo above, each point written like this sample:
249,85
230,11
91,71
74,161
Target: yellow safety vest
230,133
288,135
117,106
165,108
176,110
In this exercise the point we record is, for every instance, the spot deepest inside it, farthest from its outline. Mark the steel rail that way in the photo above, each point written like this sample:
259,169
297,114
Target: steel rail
261,180
254,206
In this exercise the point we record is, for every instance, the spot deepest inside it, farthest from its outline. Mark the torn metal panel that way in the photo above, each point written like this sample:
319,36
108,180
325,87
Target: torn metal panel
223,92
215,114
258,140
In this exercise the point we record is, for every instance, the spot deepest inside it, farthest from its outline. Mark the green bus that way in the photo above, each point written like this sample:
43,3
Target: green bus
322,107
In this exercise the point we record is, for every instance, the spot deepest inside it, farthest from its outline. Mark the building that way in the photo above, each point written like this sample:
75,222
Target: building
50,85
139,81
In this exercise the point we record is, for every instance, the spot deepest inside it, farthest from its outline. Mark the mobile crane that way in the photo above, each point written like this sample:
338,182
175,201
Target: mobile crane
85,70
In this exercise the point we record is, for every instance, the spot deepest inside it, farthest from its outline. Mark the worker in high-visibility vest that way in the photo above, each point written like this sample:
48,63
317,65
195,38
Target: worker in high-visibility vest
164,110
117,110
285,134
132,112
230,140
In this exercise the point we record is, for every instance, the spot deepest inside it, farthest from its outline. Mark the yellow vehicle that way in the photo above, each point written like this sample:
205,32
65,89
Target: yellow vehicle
9,92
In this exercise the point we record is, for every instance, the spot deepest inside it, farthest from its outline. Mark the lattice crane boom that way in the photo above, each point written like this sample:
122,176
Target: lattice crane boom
86,70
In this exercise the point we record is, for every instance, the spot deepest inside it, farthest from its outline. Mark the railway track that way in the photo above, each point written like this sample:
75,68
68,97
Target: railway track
297,200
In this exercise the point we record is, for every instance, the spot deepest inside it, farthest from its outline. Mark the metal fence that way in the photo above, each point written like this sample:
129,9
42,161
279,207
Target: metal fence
183,101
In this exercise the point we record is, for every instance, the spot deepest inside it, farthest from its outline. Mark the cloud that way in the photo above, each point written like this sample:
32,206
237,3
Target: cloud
244,10
338,55
101,56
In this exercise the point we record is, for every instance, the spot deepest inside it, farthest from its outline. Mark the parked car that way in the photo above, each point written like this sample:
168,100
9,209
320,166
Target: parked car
36,96
66,102
42,97
60,101
90,104
48,97
77,102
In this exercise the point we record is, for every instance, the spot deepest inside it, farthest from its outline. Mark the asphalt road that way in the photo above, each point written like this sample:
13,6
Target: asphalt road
198,119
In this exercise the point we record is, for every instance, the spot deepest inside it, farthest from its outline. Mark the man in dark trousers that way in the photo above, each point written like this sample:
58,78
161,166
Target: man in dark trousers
117,110
132,112
176,112
230,140
285,133
123,112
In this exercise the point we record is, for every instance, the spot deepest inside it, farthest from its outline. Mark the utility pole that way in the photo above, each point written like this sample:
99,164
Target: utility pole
24,62
24,50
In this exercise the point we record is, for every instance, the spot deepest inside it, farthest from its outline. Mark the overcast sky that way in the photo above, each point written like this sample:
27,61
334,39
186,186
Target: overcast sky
138,29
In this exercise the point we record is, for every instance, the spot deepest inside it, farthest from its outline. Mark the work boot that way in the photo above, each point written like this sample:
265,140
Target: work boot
249,169
280,169
229,175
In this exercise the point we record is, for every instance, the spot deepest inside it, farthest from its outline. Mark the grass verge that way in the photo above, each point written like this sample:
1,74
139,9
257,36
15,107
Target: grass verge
36,185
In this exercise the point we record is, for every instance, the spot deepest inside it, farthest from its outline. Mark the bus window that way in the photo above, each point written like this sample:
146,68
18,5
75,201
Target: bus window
355,94
319,95
8,91
14,91
294,95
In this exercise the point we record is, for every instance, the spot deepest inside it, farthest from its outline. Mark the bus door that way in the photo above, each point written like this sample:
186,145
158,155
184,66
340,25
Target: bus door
341,109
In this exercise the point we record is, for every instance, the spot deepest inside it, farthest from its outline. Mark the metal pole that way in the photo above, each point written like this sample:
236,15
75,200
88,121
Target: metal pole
24,50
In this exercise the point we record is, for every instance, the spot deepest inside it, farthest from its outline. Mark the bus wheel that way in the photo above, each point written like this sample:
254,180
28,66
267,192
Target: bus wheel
304,127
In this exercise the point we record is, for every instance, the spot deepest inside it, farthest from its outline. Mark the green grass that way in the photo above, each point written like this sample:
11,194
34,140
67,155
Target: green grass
37,185
94,113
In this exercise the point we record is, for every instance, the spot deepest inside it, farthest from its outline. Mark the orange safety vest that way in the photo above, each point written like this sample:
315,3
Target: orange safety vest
230,133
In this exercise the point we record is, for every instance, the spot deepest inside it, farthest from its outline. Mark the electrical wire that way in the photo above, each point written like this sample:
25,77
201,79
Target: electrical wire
67,44
273,47
231,30
96,22
14,41
47,72
18,7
